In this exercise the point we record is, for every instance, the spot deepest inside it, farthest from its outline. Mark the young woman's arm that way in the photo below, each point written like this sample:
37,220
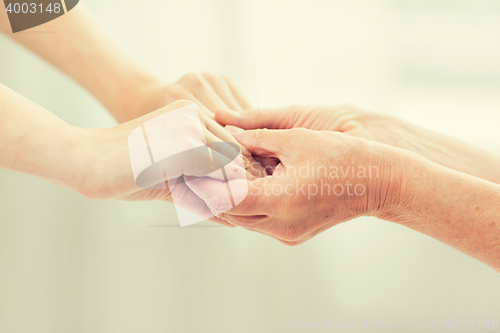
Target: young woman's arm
34,141
79,47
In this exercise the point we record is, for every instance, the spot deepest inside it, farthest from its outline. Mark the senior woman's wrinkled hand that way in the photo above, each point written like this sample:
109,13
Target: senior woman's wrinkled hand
456,208
441,149
324,178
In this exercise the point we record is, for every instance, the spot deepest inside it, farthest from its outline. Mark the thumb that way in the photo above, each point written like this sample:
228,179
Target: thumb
257,118
263,142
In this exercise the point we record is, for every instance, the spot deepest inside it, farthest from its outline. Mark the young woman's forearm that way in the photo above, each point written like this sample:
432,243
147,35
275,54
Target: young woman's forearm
80,48
458,209
35,142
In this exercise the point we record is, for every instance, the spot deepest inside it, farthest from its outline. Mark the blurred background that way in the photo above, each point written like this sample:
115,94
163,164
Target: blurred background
68,264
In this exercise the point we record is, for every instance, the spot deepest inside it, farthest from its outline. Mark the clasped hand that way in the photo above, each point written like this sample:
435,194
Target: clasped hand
323,178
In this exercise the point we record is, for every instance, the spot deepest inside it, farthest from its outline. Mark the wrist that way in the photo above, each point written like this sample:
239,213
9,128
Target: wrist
374,174
393,190
81,157
104,163
410,176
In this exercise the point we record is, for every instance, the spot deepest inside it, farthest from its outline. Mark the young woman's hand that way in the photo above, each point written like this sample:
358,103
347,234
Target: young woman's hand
111,163
209,91
107,172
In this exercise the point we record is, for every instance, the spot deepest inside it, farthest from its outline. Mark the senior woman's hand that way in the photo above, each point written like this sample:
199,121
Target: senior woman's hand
315,187
324,178
392,131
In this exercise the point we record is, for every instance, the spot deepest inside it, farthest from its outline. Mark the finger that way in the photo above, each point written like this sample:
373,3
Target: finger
251,164
232,153
233,129
200,162
218,130
276,118
233,170
203,108
265,143
187,199
184,197
182,93
204,92
230,150
237,94
257,168
246,196
225,136
221,88
217,195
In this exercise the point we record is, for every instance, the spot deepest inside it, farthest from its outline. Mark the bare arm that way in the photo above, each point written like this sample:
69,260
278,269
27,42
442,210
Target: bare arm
82,49
458,209
96,162
452,207
34,141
